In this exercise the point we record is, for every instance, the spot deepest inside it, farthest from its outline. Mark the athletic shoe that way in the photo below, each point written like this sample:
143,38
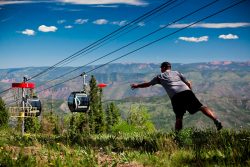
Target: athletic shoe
218,124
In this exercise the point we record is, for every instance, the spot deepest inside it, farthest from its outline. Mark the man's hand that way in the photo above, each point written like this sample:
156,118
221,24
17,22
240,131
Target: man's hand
133,86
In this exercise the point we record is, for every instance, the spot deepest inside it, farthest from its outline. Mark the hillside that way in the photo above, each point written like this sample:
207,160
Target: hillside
224,86
218,78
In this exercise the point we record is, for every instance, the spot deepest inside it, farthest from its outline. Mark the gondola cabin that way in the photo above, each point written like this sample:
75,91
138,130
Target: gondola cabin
36,105
78,102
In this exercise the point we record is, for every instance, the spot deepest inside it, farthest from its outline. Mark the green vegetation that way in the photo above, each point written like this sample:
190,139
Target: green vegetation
129,141
136,131
188,148
4,116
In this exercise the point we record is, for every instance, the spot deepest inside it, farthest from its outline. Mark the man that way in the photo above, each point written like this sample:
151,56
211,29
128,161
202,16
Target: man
179,90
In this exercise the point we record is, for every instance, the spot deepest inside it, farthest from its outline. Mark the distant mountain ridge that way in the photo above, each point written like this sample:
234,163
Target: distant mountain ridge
224,86
205,77
18,73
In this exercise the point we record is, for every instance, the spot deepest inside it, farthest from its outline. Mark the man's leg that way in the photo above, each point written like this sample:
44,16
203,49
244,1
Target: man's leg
209,113
178,124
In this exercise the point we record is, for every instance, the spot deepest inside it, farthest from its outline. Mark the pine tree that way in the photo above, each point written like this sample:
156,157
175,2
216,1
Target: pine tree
4,115
113,116
115,113
99,121
108,119
93,103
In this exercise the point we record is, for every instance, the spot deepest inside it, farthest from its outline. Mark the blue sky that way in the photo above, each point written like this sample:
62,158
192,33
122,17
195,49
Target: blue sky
41,33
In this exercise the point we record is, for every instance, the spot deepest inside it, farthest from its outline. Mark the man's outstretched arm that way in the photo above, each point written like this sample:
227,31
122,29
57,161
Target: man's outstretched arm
141,85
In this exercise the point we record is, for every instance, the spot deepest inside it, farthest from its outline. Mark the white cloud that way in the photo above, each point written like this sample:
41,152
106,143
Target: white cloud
102,2
194,39
7,2
120,23
105,6
176,25
11,2
81,21
7,19
211,25
61,21
101,21
229,36
44,28
75,10
68,27
28,32
141,24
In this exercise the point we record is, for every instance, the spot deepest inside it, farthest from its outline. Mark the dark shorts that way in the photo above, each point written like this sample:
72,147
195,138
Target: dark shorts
185,101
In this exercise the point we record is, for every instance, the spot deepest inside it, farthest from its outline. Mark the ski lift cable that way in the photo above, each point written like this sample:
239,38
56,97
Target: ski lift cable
139,39
159,39
137,20
133,28
5,90
105,38
78,68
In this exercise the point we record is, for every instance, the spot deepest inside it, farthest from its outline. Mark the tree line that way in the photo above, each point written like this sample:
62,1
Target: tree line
100,118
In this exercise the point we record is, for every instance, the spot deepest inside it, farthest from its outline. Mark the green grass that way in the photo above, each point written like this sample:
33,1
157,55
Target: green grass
188,148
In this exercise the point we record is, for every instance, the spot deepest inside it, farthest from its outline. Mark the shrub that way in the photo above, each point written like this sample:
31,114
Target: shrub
32,124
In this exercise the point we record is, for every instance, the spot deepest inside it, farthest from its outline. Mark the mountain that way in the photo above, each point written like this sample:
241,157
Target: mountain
224,86
222,78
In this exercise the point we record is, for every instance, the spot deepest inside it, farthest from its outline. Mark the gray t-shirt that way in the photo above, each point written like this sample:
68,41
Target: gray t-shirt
172,81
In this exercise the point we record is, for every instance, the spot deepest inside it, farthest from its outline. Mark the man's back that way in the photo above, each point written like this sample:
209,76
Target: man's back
172,81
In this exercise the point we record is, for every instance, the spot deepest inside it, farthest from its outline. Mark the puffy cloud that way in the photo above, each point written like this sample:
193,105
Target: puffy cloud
68,27
141,24
194,39
124,22
101,21
61,21
81,21
229,36
120,23
102,2
211,25
44,28
28,32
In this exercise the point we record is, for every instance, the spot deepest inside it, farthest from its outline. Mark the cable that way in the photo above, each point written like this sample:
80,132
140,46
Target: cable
5,90
126,32
139,39
137,20
103,39
159,39
63,75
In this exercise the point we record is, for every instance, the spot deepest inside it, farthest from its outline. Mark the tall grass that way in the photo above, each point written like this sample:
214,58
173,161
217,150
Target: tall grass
190,147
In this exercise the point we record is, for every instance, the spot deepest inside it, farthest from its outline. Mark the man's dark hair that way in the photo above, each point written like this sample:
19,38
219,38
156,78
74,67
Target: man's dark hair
166,64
